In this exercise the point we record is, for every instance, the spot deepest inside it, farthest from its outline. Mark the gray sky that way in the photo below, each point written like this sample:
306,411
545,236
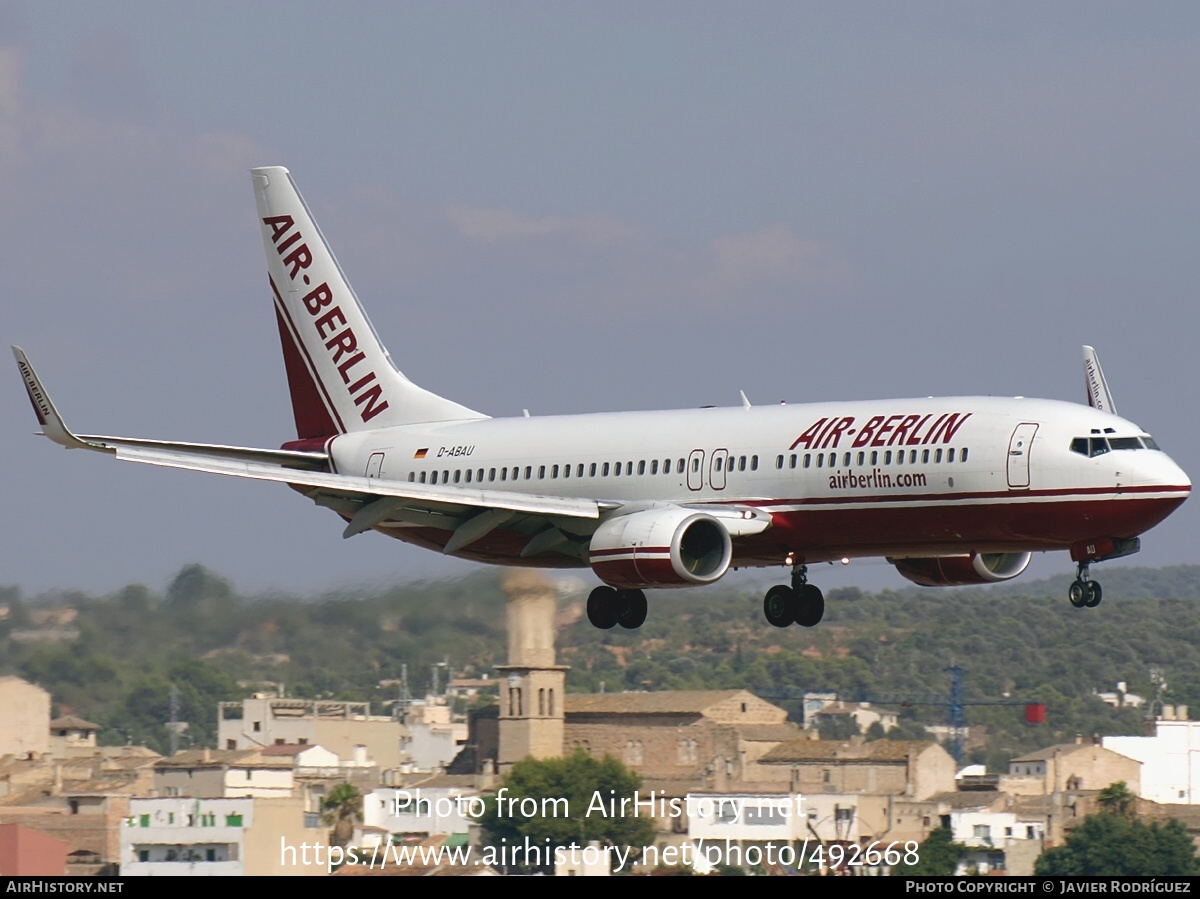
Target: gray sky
571,208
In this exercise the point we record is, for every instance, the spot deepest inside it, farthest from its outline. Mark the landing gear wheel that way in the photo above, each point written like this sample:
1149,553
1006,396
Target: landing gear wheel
1078,595
779,605
631,609
602,608
1094,594
810,606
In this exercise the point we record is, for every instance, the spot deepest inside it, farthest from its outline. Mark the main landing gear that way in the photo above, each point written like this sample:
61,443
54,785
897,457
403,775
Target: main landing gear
801,603
608,607
1084,593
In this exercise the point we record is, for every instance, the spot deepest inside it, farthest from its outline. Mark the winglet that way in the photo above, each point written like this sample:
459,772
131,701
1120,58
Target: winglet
1099,396
52,423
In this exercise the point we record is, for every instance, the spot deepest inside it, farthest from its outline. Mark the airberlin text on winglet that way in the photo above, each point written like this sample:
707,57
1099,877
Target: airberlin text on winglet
342,345
880,430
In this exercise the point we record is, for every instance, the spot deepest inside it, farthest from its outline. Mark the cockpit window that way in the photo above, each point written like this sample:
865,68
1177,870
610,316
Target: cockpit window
1098,446
1089,446
1121,443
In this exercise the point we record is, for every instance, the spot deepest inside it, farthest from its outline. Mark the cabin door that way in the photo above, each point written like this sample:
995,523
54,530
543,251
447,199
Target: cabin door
1019,446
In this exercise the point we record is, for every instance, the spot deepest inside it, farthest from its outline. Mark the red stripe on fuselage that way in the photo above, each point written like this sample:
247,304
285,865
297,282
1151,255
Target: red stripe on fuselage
823,534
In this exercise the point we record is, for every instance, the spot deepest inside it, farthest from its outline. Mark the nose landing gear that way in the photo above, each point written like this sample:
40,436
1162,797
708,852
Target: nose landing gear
802,603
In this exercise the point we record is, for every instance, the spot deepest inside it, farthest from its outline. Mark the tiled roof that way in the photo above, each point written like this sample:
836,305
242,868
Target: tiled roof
836,750
667,702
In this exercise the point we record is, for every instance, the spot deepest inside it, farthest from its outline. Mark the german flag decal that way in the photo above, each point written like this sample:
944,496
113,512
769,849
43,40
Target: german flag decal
420,454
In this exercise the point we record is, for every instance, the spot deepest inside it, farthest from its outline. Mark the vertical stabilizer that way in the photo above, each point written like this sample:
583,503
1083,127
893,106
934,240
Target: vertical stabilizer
340,375
1099,396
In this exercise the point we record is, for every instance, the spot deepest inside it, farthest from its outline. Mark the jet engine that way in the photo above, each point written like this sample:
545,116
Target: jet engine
958,571
661,547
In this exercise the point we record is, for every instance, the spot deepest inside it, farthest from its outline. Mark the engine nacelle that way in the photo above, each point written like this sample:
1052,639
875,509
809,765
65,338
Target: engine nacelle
958,571
663,547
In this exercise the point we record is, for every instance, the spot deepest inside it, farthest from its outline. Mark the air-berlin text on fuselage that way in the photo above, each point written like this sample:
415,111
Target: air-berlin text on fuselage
882,430
332,329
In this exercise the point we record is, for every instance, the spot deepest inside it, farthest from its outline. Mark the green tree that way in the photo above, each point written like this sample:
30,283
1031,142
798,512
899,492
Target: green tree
1108,844
569,801
340,810
1117,799
938,856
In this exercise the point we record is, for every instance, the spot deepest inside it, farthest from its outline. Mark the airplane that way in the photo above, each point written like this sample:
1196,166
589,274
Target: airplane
951,491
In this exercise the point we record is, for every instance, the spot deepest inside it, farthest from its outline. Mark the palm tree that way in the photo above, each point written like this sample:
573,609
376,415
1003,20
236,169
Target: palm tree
1118,799
340,811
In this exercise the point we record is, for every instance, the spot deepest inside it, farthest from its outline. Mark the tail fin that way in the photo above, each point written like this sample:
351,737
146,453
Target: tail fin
1099,396
341,377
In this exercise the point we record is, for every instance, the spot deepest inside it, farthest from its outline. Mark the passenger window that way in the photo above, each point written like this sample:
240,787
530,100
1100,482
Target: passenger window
874,457
718,460
779,461
887,458
681,466
616,469
792,461
592,470
912,457
696,464
541,472
422,477
963,457
846,460
807,459
642,466
554,472
862,457
468,475
653,466
491,474
528,472
937,456
924,456
479,476
504,474
457,475
412,476
754,463
579,471
604,470
950,455
820,460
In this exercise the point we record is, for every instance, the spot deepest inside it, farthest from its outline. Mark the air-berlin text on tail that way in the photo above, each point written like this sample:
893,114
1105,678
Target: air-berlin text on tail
331,326
882,430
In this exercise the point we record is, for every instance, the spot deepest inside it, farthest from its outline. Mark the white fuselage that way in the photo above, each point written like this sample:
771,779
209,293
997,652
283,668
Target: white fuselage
909,477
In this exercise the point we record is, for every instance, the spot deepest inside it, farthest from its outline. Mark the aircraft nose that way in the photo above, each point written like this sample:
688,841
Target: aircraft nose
1160,470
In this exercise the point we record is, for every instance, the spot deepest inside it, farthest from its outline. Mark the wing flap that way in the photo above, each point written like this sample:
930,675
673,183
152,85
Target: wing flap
423,494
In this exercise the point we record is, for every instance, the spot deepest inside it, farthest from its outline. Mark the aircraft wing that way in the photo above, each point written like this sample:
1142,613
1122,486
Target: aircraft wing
367,502
299,470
